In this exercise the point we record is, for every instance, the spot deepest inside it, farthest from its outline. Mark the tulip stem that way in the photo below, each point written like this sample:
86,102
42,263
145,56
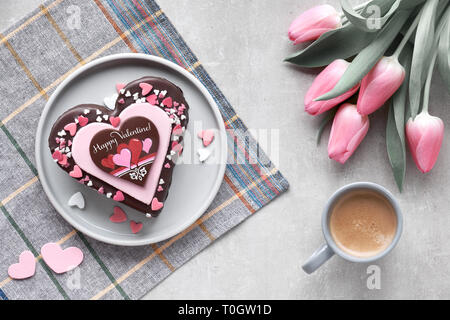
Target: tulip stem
408,35
426,93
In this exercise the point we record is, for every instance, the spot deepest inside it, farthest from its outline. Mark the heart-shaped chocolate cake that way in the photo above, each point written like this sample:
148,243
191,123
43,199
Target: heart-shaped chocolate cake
128,153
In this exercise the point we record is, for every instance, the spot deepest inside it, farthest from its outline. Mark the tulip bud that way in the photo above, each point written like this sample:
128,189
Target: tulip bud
348,130
325,82
380,84
311,24
425,134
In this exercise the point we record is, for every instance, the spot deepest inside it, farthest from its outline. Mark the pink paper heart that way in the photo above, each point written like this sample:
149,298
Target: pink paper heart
207,136
156,204
72,128
76,172
146,88
146,145
119,196
25,268
60,260
136,227
123,159
119,215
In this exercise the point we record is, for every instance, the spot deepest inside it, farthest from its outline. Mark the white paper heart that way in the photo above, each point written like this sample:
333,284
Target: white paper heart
77,200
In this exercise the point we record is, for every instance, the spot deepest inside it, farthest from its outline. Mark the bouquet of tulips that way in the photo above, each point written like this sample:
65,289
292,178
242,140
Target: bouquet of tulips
385,52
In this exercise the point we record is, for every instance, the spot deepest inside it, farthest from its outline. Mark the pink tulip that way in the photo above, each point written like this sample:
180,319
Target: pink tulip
324,82
425,134
380,84
348,130
311,24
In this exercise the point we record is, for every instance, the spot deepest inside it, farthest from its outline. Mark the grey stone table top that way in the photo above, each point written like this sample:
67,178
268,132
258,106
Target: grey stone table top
242,44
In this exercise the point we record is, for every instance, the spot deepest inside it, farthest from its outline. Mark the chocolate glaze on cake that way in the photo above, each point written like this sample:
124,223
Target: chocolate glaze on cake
164,95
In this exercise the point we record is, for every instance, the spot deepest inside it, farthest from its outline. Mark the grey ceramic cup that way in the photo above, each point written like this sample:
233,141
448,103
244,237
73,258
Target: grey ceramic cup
330,248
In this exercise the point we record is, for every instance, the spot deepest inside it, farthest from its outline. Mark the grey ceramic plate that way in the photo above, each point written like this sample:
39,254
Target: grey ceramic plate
194,184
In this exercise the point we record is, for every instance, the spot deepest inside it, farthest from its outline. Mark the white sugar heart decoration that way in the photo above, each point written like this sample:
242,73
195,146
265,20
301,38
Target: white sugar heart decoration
110,102
25,268
60,260
203,154
77,200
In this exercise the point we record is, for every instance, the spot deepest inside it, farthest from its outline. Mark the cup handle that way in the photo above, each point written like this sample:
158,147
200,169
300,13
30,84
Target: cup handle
318,258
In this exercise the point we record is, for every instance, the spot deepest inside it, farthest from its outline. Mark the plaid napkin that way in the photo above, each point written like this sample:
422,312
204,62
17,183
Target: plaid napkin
36,55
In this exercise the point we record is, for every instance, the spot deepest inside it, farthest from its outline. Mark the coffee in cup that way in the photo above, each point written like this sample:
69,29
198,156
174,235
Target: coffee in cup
363,223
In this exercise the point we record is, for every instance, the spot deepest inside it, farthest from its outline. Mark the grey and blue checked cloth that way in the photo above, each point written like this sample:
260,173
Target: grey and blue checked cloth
37,54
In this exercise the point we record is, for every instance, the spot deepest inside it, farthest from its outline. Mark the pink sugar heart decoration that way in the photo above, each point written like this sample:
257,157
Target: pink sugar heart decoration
76,172
146,145
25,268
118,216
119,196
58,140
167,102
69,143
60,260
57,155
63,161
101,190
146,88
177,147
122,101
152,99
83,121
115,121
175,104
160,189
167,166
136,227
156,204
178,130
123,159
72,128
207,136
120,86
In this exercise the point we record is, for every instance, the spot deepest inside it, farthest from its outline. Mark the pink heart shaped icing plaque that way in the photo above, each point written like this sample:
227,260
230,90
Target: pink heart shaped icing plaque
125,152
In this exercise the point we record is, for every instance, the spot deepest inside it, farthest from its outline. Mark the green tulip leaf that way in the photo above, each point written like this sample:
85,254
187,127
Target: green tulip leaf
444,54
341,43
326,120
395,129
369,56
371,19
409,4
424,41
